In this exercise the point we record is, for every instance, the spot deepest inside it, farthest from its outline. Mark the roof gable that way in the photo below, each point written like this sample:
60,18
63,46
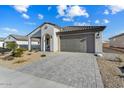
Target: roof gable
20,38
54,25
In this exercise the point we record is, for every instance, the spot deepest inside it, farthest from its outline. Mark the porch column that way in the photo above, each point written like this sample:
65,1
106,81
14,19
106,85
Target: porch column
44,43
29,43
51,41
59,48
41,43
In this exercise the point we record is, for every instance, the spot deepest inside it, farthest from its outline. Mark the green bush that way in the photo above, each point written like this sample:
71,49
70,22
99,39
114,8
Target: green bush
18,52
11,45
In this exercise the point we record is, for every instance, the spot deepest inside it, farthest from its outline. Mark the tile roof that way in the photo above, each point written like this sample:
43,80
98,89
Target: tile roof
2,39
80,29
22,38
76,28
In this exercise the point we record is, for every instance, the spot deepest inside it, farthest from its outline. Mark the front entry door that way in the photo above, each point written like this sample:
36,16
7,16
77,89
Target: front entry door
47,43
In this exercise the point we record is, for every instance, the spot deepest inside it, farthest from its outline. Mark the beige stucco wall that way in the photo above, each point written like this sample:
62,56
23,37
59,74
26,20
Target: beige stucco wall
54,43
98,42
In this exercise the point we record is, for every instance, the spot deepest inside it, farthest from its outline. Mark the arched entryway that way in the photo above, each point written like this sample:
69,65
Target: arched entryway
47,42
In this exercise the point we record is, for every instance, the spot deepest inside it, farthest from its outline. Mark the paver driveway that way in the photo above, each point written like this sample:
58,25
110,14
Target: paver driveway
71,69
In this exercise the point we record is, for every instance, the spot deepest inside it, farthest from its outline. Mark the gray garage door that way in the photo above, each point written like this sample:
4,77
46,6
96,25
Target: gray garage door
73,45
77,43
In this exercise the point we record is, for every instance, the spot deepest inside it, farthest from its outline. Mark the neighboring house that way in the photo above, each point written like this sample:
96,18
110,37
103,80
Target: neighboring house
70,38
106,44
117,41
22,41
1,42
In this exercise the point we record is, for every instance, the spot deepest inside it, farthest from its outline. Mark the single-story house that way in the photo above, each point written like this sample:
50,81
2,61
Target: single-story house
1,42
69,38
21,41
117,41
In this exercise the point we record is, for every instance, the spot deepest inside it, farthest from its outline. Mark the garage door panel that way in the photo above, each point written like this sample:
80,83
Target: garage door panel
77,43
72,45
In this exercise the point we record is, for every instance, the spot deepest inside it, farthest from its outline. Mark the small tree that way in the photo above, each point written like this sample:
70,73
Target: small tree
12,46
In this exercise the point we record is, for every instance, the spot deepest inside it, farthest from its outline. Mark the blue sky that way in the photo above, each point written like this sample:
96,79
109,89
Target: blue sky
23,19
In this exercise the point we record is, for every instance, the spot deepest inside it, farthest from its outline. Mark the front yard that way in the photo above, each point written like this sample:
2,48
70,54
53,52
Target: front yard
109,66
17,62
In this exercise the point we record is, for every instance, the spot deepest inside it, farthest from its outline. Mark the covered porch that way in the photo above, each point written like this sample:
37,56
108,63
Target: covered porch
47,41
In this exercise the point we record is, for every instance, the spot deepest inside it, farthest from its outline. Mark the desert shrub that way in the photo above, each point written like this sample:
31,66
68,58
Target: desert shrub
43,55
18,52
24,49
8,58
28,53
11,45
19,61
119,59
116,59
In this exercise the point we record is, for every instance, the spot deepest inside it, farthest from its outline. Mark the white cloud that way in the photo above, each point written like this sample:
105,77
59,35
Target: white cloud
9,29
113,9
25,16
30,23
97,22
77,11
21,8
69,12
106,21
116,9
40,16
61,10
81,24
67,19
106,12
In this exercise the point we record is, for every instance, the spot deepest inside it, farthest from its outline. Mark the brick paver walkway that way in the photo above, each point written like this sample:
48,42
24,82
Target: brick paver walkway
71,69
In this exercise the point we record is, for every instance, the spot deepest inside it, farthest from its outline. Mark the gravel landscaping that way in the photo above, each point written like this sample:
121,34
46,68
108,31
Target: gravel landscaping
109,68
18,62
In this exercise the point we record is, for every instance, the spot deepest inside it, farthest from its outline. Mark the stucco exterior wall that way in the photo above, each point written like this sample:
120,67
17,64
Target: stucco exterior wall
98,42
51,30
26,43
1,44
56,40
117,42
